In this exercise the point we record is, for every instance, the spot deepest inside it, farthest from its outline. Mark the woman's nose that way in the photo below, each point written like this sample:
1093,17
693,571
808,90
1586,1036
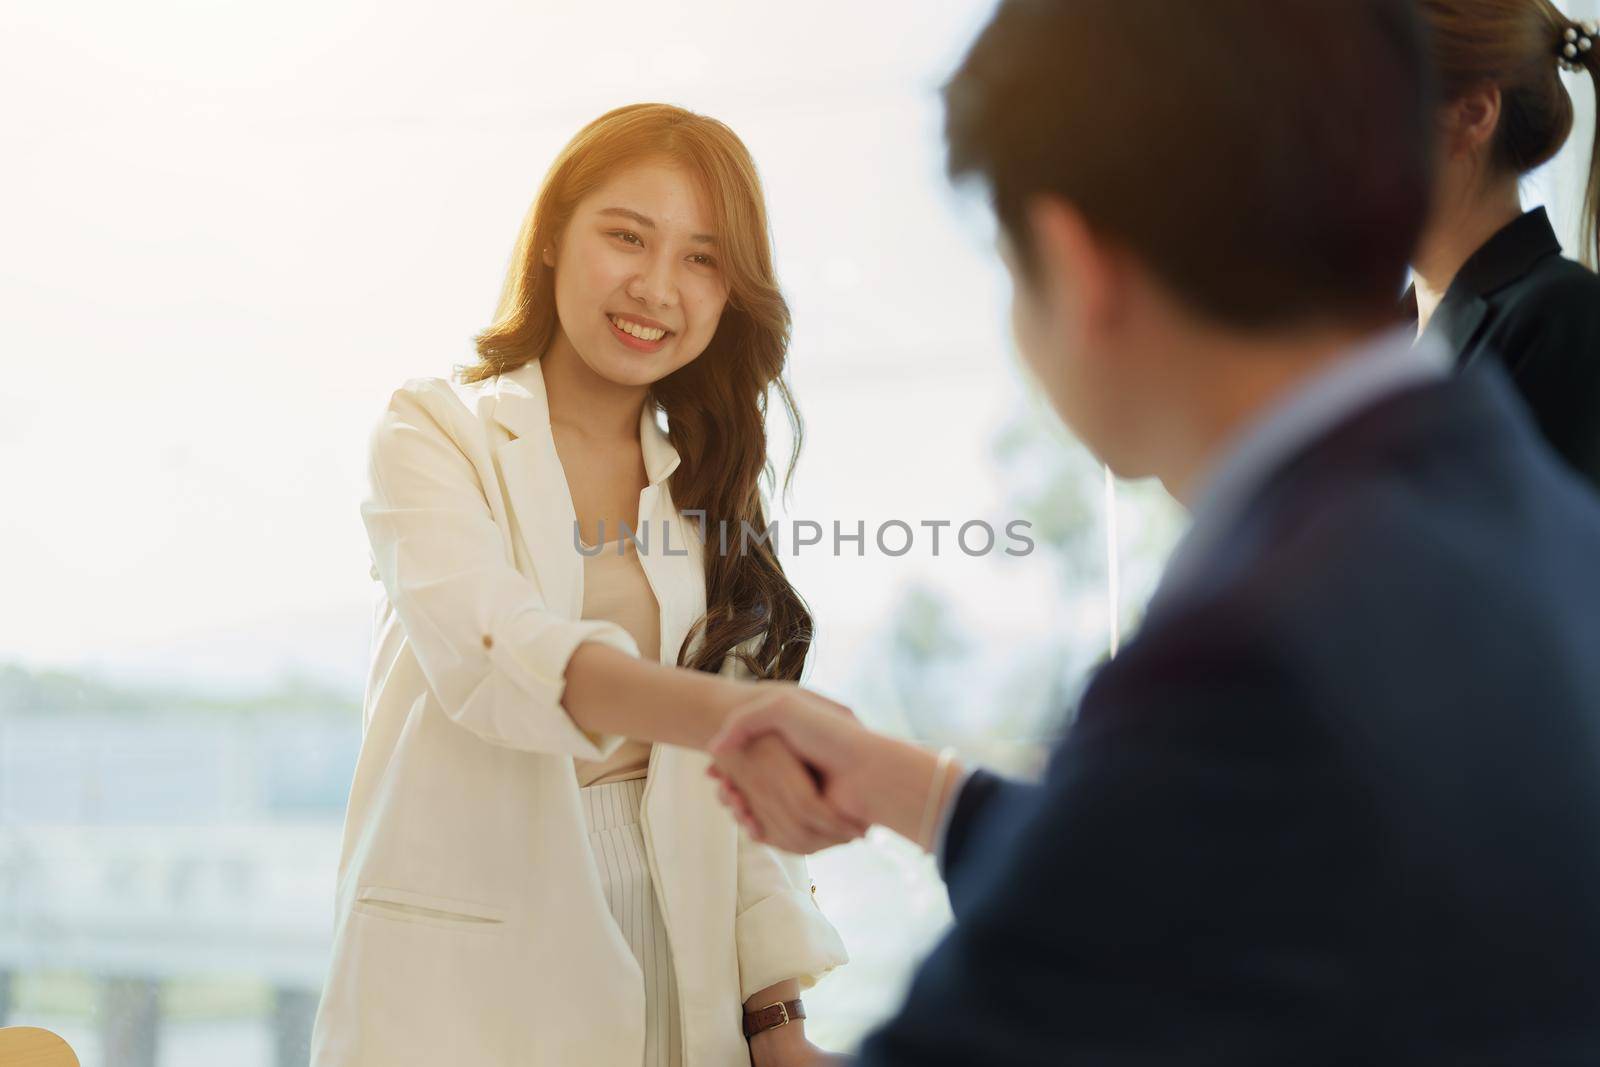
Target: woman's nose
656,285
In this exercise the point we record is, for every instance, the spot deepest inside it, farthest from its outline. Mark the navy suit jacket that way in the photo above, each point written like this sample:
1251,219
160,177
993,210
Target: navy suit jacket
1338,802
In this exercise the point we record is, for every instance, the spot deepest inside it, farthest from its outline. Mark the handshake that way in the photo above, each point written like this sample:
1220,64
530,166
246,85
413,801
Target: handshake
801,774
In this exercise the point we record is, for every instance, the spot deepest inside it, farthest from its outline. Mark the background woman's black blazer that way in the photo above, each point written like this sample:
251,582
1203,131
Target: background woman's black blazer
1518,300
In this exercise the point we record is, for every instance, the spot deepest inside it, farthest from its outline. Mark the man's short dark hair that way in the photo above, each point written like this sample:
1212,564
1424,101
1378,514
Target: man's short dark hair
1270,160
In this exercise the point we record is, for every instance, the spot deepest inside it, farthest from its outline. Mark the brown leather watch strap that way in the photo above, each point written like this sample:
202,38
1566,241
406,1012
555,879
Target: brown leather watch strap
773,1015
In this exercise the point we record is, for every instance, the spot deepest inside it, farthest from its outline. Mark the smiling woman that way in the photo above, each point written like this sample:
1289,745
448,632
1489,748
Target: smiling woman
535,867
670,183
626,262
651,205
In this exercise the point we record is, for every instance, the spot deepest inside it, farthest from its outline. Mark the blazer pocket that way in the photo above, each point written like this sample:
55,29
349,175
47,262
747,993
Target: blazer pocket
402,905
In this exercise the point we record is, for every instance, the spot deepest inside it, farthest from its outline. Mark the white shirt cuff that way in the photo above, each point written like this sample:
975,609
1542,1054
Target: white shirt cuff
943,828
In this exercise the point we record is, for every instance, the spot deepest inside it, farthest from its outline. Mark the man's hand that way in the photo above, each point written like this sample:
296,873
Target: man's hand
866,777
774,807
795,816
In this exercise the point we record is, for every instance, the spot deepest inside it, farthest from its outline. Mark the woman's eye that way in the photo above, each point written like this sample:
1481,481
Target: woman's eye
703,260
628,236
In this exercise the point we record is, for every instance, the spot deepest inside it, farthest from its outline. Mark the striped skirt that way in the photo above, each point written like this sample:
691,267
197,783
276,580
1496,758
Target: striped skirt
612,813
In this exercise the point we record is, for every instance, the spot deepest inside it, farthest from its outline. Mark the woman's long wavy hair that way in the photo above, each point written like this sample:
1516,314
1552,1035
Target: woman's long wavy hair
716,406
1514,44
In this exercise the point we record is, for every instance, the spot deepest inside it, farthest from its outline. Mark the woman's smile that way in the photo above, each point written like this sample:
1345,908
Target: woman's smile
637,335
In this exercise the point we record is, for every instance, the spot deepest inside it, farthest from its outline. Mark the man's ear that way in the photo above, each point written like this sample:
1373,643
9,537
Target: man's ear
1078,271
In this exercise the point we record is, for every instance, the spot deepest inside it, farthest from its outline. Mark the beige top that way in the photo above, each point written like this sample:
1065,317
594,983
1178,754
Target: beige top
615,588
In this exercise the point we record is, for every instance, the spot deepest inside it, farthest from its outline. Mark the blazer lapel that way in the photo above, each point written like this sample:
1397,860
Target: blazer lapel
1457,320
536,488
673,561
541,511
675,566
1508,255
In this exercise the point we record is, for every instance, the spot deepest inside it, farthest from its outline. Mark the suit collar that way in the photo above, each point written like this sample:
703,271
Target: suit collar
523,407
1475,409
1504,258
1508,255
1381,366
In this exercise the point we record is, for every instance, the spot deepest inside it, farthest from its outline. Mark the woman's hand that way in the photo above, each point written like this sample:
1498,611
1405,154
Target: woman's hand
820,735
776,796
868,778
794,811
786,1046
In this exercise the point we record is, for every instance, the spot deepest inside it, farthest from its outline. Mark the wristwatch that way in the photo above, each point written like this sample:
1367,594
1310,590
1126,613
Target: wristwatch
779,1013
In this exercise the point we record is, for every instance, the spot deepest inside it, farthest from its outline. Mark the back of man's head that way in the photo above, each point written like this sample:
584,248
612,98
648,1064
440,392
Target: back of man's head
1268,160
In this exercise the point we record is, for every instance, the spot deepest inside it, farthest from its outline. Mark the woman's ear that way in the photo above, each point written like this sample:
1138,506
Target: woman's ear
1473,118
549,256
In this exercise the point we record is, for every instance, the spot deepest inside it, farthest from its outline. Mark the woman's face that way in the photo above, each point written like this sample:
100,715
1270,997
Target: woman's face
638,277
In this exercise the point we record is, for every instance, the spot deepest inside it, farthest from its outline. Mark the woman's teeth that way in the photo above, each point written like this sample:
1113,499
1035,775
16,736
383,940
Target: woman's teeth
643,333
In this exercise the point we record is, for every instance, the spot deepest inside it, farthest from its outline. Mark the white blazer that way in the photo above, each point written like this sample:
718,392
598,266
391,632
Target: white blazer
470,924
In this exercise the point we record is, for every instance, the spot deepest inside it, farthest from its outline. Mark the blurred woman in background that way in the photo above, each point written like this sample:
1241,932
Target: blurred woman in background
1488,276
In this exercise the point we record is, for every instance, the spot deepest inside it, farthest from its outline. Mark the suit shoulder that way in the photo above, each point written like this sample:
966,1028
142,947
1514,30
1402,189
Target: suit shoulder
1245,633
1560,288
1388,562
1333,554
1570,271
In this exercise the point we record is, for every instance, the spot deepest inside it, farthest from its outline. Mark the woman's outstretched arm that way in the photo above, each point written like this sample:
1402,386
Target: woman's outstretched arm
609,692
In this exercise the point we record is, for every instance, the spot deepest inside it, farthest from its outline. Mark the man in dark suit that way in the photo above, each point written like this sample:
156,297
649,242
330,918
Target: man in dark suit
1338,800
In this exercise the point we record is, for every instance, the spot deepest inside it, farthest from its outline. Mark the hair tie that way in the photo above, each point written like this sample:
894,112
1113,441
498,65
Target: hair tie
1577,40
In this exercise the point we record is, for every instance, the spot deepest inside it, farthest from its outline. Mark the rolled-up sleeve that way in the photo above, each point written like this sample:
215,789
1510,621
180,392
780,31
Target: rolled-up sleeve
780,930
493,655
